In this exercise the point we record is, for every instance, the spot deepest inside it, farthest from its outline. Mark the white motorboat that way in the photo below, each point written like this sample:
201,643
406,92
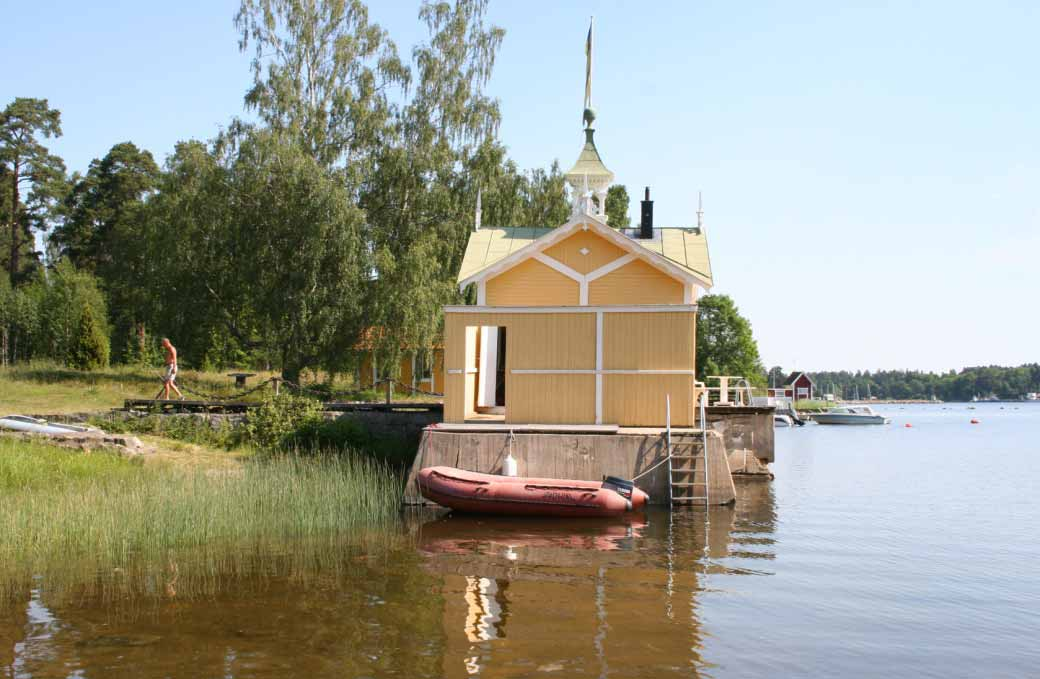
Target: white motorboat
850,415
782,421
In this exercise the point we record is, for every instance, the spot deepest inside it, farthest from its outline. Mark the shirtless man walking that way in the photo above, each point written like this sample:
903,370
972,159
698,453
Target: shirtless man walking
171,371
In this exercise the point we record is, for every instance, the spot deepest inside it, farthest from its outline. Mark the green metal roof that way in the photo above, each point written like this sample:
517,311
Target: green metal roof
687,248
589,164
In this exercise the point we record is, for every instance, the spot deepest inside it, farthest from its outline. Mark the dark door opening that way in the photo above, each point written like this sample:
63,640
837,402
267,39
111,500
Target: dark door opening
500,370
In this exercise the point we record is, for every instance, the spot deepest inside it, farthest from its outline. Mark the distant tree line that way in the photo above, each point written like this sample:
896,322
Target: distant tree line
984,382
346,206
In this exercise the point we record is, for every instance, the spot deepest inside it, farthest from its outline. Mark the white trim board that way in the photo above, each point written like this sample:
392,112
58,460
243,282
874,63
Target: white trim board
599,367
636,309
601,371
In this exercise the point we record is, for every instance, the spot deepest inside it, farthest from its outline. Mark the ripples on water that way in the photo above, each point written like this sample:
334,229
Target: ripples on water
876,551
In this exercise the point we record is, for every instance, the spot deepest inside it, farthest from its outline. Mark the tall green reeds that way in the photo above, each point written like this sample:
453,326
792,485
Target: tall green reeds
128,514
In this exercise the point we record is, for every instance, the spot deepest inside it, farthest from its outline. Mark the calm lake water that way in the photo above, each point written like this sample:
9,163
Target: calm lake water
877,551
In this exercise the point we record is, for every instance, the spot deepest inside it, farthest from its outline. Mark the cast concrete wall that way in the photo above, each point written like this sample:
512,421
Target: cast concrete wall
745,428
587,457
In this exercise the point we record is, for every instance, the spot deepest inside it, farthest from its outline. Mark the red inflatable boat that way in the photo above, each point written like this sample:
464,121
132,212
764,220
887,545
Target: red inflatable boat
491,494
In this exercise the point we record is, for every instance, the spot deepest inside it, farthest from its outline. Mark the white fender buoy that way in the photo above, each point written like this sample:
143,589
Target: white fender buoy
509,464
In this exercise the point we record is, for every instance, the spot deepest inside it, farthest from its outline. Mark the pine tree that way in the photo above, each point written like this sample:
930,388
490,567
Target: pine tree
90,349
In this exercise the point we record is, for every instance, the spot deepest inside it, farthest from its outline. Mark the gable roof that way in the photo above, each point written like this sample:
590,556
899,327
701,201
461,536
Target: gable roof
795,375
683,250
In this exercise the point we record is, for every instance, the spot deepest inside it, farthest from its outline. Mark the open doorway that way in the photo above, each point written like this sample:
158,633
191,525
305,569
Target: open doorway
486,372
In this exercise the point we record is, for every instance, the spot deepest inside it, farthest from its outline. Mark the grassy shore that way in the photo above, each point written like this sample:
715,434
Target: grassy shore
61,507
43,388
814,406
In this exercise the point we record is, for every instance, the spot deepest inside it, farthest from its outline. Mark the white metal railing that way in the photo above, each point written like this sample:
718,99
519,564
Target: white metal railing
731,385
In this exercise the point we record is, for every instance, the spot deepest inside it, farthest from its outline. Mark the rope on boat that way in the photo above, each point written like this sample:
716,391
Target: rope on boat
647,471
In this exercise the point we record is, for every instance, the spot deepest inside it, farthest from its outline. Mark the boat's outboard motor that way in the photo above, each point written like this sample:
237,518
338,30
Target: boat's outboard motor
626,489
622,487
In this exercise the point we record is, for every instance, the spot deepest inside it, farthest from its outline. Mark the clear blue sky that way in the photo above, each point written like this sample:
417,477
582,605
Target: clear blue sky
871,172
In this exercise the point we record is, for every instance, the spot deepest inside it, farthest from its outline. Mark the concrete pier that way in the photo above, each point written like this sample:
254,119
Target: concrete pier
568,455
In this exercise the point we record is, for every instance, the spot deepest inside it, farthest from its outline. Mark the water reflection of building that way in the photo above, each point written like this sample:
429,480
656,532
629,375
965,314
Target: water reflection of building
480,597
487,608
588,597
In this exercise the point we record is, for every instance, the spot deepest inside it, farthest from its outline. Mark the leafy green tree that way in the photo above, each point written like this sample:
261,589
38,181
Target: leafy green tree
90,347
509,196
546,201
61,299
191,281
24,160
963,385
323,75
776,377
725,343
102,230
418,207
101,208
19,323
617,206
270,249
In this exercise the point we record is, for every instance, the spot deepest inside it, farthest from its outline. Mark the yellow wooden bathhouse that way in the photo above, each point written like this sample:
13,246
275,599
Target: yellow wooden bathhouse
580,324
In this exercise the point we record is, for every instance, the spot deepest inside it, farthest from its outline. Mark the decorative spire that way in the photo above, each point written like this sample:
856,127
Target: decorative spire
589,172
476,220
700,212
588,115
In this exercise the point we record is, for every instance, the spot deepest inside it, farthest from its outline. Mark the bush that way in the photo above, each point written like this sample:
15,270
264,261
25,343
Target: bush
348,433
90,348
276,423
187,428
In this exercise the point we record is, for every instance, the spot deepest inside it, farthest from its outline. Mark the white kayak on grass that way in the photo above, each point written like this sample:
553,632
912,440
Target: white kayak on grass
35,426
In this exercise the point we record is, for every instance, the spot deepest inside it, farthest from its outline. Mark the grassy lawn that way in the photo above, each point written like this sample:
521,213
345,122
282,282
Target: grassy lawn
47,388
32,466
50,389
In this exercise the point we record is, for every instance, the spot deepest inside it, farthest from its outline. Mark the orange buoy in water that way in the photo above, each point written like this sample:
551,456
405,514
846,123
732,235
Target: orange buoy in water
908,425
974,421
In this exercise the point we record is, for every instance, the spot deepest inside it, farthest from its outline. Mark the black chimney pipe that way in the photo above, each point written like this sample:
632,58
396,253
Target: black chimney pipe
646,219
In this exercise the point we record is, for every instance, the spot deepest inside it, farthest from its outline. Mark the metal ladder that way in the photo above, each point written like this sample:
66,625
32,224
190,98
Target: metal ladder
688,462
687,470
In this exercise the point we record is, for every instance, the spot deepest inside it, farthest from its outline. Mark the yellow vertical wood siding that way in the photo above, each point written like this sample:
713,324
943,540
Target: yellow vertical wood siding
365,372
641,341
438,371
567,341
599,251
405,369
532,283
550,399
636,283
639,400
533,342
551,342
